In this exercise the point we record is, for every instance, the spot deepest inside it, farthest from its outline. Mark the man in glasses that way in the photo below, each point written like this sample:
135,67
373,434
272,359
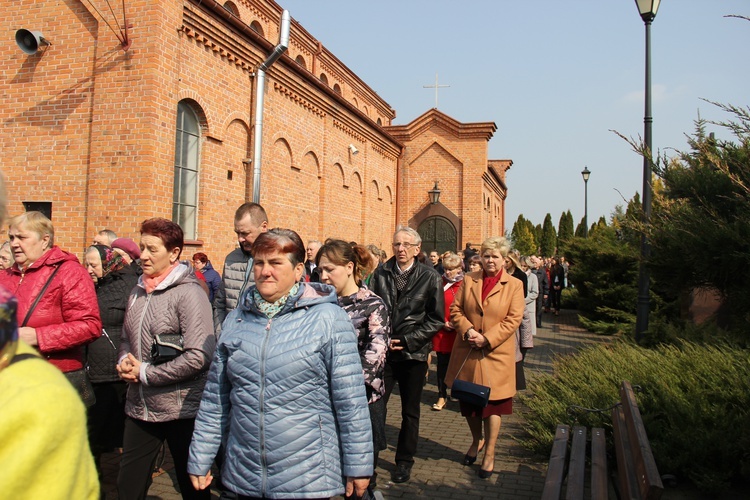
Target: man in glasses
413,293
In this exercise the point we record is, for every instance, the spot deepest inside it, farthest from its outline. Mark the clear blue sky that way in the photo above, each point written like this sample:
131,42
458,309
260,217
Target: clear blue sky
555,76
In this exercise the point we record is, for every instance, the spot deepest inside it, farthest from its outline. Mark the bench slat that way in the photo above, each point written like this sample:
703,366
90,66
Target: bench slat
599,489
647,474
625,467
556,469
577,464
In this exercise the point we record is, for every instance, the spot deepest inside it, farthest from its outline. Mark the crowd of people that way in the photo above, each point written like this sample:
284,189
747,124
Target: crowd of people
275,372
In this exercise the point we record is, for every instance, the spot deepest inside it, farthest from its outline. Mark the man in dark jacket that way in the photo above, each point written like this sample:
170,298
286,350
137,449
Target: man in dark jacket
413,293
312,273
469,252
250,220
541,275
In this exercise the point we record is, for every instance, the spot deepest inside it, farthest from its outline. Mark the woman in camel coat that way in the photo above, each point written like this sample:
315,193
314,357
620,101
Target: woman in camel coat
486,313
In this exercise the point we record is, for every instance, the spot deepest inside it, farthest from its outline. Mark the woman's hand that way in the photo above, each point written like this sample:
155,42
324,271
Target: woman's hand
397,343
356,485
136,366
28,335
475,339
127,371
201,482
449,326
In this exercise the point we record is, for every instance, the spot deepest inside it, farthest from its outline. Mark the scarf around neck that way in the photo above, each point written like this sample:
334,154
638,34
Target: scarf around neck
151,282
271,309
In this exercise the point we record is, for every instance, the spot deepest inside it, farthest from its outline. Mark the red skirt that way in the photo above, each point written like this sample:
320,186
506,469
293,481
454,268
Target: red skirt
497,407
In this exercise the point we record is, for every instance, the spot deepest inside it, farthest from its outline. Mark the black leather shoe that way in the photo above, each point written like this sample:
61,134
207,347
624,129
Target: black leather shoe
484,474
402,474
469,460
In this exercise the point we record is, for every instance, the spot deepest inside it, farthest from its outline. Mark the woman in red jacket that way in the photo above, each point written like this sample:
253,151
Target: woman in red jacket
67,315
442,342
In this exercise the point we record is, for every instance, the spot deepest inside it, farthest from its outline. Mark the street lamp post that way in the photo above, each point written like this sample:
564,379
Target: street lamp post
586,173
647,9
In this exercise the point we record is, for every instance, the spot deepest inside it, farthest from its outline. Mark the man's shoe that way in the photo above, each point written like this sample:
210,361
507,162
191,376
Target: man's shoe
402,474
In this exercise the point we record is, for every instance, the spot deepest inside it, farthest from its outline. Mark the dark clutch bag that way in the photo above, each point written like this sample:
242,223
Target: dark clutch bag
79,379
470,393
166,347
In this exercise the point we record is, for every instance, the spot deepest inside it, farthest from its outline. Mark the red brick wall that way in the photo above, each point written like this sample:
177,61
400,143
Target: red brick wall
438,148
91,128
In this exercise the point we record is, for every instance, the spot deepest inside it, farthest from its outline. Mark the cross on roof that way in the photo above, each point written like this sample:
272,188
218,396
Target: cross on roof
436,87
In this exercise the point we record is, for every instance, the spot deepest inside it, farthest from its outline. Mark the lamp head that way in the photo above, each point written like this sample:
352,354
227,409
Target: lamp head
353,149
647,9
586,173
434,194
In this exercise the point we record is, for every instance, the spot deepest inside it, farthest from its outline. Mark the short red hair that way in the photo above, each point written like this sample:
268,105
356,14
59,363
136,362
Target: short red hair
167,231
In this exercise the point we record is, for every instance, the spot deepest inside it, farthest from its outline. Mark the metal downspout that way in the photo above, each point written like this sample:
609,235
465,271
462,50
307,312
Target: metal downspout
260,84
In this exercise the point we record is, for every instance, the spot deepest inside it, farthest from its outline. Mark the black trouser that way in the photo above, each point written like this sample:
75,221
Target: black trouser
443,358
556,295
141,445
539,311
410,378
106,418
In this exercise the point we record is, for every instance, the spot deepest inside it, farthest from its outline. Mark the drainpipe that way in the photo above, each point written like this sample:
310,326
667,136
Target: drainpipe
260,84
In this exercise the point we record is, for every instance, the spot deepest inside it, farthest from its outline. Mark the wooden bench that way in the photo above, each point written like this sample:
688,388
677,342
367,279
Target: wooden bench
638,477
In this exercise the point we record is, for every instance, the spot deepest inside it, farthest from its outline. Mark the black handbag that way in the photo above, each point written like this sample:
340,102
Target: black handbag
469,392
80,380
166,347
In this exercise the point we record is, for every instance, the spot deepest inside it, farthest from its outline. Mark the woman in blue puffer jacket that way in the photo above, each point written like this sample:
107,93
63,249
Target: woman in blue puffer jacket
285,391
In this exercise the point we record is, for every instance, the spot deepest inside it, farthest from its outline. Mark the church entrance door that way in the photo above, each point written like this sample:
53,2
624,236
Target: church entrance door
438,234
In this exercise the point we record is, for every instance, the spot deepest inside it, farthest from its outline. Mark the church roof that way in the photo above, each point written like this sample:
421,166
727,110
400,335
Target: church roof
478,130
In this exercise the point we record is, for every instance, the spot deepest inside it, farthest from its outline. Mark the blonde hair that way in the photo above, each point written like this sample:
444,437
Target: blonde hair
451,260
496,243
35,221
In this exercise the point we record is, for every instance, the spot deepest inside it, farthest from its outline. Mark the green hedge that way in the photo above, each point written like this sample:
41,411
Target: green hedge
695,403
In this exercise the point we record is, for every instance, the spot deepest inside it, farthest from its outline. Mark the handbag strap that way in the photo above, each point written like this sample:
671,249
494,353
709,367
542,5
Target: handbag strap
23,356
480,364
38,297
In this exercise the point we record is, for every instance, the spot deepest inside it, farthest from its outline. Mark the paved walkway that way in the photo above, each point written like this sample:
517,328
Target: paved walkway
444,439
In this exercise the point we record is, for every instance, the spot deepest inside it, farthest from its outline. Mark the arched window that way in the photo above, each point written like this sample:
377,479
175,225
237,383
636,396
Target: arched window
231,7
301,61
337,88
256,27
380,122
324,78
186,164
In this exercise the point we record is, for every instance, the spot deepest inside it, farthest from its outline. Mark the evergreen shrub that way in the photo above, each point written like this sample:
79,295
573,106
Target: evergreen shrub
695,403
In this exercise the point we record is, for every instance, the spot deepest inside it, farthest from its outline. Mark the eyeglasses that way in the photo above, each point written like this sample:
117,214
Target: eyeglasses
405,245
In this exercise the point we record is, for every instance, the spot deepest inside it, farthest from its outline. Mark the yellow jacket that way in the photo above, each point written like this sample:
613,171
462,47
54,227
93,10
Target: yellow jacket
44,448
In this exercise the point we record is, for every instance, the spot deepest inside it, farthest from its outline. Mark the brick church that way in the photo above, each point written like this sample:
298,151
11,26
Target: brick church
150,109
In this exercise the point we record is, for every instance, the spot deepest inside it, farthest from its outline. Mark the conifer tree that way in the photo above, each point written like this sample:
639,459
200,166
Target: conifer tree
522,236
548,244
565,227
581,228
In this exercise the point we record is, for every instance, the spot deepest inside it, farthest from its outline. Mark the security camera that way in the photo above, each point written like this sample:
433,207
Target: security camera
353,149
